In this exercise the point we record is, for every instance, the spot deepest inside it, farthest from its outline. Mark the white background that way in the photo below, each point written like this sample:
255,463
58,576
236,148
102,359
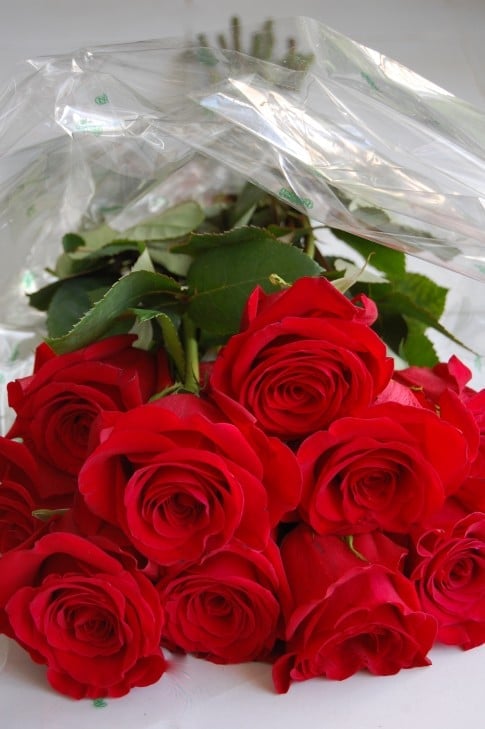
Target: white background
443,40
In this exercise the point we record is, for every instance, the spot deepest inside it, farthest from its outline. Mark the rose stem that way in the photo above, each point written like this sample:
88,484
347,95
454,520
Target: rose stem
191,383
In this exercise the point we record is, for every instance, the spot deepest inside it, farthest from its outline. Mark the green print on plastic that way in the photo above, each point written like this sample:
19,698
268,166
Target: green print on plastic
295,199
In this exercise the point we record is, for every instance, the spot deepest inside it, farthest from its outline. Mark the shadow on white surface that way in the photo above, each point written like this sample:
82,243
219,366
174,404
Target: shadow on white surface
195,694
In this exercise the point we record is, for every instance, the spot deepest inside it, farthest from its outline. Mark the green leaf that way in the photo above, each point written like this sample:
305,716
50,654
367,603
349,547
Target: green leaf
71,300
373,218
393,329
143,331
175,222
71,242
417,347
143,262
84,260
172,223
171,338
174,262
388,260
408,304
221,280
100,236
202,242
282,232
392,302
425,293
240,213
41,299
126,293
172,342
65,266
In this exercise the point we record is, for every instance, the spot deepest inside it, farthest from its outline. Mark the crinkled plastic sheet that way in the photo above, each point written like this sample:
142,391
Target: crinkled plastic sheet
118,133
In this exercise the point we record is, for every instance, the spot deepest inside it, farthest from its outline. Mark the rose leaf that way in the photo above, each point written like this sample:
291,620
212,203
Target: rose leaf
220,280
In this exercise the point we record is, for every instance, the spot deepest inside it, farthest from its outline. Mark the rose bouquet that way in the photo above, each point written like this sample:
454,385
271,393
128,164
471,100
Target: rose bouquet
235,442
280,493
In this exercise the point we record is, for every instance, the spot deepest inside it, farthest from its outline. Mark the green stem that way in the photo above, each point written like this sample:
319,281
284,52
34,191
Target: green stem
349,539
236,33
310,244
46,514
191,382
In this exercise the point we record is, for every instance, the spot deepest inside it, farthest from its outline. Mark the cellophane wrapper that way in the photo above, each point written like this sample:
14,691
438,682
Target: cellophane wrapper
116,134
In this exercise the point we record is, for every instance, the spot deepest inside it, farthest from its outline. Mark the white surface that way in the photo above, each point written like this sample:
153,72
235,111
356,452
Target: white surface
443,40
200,695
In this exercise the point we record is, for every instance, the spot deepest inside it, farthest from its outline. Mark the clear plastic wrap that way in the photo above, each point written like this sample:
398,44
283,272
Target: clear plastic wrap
117,133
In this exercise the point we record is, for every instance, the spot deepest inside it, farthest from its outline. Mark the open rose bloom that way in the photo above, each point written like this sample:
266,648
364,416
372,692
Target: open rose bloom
308,507
248,478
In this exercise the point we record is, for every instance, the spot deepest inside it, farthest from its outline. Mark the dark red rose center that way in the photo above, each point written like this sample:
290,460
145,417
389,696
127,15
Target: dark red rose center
372,488
79,426
217,605
181,508
67,429
460,574
79,617
91,628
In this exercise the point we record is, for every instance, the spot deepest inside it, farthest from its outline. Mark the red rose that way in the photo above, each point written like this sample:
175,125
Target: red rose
444,388
450,580
305,357
349,613
389,468
226,608
57,405
80,520
94,623
451,512
18,466
17,525
472,492
18,496
430,382
180,483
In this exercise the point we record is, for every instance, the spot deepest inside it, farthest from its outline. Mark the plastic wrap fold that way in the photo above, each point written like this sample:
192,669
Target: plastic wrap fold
117,133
